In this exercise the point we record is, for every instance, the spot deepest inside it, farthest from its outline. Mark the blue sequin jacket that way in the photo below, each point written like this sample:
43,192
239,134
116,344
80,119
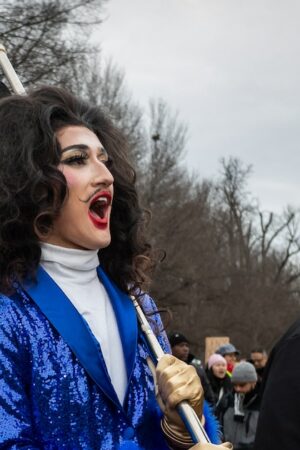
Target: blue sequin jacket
55,392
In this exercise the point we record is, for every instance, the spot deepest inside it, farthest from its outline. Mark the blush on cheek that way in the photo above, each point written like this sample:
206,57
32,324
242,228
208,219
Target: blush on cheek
71,177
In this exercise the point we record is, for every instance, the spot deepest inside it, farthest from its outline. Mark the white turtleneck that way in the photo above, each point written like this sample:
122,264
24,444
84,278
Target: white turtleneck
74,271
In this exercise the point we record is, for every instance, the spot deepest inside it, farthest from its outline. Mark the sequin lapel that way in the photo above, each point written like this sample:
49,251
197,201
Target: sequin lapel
68,322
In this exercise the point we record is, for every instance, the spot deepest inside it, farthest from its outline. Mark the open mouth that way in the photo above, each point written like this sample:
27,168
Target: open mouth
99,207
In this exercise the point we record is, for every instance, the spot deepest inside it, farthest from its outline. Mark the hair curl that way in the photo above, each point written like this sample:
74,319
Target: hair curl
33,189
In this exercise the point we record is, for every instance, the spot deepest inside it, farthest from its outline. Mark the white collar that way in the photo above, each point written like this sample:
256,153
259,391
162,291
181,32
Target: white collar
70,258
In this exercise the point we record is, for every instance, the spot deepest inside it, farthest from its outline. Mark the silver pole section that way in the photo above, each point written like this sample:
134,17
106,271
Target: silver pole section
10,73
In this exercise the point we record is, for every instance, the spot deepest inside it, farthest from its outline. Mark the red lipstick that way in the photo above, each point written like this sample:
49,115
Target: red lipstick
99,208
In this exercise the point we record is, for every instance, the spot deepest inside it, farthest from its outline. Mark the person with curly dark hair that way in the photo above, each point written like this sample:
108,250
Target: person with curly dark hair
75,371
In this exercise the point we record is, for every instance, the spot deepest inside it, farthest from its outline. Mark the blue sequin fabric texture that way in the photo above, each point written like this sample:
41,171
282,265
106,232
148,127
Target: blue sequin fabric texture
47,400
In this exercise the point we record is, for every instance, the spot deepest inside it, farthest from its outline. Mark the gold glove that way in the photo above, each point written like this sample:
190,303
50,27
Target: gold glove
177,381
224,446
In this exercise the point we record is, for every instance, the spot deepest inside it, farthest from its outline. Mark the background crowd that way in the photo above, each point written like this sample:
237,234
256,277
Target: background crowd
231,386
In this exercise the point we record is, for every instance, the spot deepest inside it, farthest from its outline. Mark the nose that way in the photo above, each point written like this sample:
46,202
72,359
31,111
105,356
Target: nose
102,175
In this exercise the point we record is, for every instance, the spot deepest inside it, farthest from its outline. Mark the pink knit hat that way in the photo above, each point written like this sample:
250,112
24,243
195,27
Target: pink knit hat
215,358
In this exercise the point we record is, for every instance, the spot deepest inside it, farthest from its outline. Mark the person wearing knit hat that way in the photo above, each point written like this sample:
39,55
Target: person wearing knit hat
215,358
244,373
220,383
241,416
180,345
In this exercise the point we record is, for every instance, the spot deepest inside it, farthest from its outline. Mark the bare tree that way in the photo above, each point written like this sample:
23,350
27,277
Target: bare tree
261,270
234,269
46,39
162,166
235,210
104,85
48,42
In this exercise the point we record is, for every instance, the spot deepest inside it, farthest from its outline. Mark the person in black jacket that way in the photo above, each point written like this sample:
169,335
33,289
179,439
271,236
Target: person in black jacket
220,383
181,349
259,359
278,426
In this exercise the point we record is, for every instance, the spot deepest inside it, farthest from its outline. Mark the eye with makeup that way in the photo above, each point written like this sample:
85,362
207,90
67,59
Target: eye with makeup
108,163
75,159
103,156
80,157
105,159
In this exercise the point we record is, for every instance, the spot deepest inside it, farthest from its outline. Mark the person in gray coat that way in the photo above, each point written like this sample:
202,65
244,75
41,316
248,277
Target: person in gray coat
241,416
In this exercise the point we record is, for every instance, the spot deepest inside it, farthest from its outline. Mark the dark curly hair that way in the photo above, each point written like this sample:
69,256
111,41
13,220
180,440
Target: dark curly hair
33,189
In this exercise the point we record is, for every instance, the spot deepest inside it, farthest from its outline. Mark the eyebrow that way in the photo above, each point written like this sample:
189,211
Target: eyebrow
83,147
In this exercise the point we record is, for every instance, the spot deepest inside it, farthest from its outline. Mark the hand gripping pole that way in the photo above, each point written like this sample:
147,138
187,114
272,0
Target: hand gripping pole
186,412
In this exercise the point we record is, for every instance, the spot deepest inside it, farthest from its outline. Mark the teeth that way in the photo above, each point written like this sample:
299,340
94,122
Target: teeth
101,200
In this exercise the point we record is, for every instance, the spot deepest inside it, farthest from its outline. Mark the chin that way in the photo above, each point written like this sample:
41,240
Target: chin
103,243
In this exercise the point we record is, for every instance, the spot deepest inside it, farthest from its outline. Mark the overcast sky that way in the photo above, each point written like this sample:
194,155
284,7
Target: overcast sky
231,69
